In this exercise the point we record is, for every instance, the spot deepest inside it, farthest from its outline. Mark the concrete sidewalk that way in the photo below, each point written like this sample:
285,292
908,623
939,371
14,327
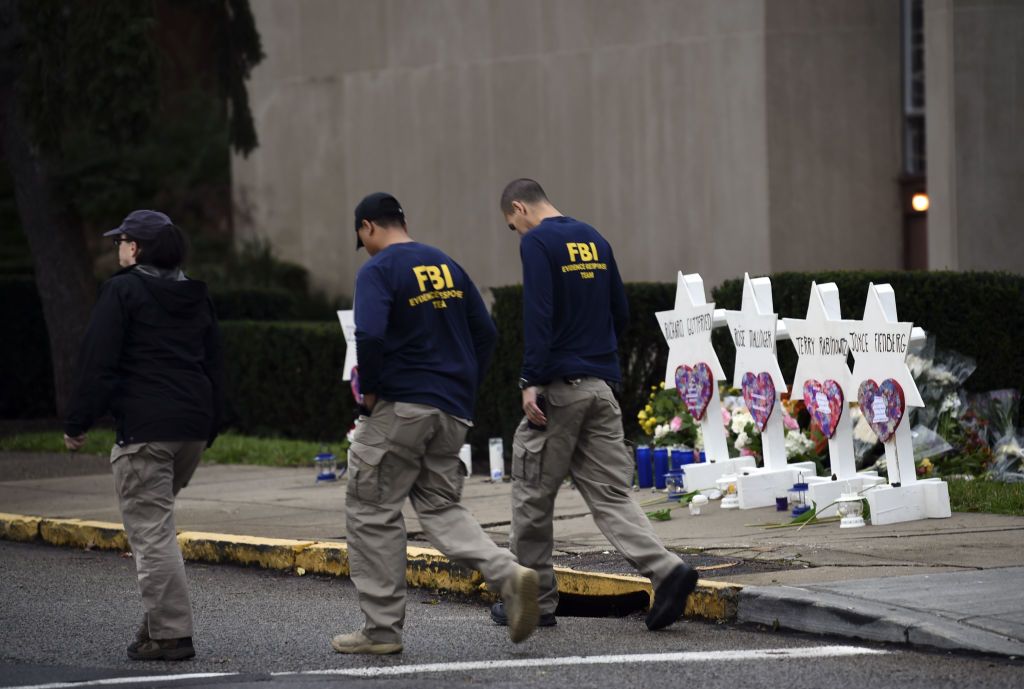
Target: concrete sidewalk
949,583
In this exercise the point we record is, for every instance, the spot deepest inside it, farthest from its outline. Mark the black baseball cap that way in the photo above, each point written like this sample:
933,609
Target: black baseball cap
142,225
375,206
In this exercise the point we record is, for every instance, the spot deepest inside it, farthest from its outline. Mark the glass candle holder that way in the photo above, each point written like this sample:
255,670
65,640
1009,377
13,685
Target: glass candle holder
674,484
850,507
730,496
326,466
798,498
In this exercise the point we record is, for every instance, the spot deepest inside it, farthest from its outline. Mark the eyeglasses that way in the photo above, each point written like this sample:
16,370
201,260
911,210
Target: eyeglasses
118,240
512,227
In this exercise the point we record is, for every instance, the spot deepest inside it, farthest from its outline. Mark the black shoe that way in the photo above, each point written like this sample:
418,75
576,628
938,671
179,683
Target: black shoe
499,616
670,597
162,649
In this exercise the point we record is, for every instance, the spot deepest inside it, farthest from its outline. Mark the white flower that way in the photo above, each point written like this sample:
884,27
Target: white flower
742,440
917,365
797,444
941,375
950,403
661,430
862,431
740,418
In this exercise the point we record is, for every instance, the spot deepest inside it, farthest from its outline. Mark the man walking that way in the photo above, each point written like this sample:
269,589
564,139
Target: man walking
151,355
424,340
574,310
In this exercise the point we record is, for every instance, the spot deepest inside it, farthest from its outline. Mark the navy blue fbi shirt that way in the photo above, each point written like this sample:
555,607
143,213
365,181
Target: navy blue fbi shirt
423,333
574,304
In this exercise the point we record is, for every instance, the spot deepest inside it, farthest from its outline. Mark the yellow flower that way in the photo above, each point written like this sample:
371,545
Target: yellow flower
649,409
654,387
662,384
643,414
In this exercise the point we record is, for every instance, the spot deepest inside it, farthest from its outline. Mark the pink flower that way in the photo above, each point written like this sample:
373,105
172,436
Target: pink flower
675,424
726,417
788,421
746,452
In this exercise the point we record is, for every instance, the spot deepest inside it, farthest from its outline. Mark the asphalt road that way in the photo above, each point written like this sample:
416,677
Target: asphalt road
66,616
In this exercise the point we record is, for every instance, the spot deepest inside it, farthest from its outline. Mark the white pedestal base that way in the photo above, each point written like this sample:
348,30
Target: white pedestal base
823,491
703,475
758,487
925,499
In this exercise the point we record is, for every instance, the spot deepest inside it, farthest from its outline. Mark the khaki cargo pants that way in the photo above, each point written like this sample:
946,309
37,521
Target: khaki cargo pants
148,476
401,451
584,440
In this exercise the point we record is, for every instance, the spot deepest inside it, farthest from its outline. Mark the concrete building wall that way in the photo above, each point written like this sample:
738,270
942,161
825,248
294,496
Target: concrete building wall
974,53
702,135
834,137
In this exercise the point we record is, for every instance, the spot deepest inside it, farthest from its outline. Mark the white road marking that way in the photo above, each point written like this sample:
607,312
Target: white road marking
680,657
126,680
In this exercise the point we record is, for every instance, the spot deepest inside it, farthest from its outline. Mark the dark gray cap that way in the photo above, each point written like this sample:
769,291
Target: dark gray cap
142,225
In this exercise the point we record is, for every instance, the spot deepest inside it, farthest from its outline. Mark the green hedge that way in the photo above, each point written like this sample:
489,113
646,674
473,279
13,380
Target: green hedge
254,304
977,314
285,379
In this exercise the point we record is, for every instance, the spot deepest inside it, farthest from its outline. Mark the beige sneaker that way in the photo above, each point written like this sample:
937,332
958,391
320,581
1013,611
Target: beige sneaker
521,605
358,642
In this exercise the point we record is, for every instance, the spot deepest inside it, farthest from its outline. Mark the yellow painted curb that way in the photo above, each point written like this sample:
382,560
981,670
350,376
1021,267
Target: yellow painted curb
82,533
599,583
428,568
425,568
717,601
18,527
324,558
269,553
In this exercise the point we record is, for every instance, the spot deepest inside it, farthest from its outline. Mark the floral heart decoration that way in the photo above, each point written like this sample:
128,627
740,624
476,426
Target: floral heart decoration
883,406
759,396
825,402
694,385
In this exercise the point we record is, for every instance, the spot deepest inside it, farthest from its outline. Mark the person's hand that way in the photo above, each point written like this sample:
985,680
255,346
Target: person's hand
74,444
530,408
370,401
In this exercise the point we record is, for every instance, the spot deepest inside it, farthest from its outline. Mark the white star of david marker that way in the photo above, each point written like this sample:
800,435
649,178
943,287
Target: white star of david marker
348,327
687,329
821,342
880,343
753,332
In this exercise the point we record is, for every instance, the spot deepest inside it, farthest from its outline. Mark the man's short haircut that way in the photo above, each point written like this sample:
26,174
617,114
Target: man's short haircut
167,250
389,221
523,190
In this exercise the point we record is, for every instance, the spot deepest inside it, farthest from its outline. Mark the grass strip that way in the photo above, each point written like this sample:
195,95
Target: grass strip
992,497
230,448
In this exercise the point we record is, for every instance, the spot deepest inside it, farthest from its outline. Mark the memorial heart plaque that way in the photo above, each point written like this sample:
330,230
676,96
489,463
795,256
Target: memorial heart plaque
695,387
882,405
759,396
355,385
825,402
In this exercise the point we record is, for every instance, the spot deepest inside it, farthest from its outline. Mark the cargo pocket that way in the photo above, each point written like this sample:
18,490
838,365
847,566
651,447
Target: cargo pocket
365,478
410,429
528,457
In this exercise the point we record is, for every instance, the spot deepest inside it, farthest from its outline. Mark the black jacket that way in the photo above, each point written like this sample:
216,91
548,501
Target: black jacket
152,357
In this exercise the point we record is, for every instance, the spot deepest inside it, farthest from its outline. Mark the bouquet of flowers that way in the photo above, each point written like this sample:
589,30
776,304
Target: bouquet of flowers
666,420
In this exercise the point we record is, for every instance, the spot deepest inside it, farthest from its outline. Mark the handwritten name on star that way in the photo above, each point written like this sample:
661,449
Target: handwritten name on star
879,342
687,327
821,346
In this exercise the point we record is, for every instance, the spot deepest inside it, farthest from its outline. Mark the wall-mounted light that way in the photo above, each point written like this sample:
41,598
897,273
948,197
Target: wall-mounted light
920,202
